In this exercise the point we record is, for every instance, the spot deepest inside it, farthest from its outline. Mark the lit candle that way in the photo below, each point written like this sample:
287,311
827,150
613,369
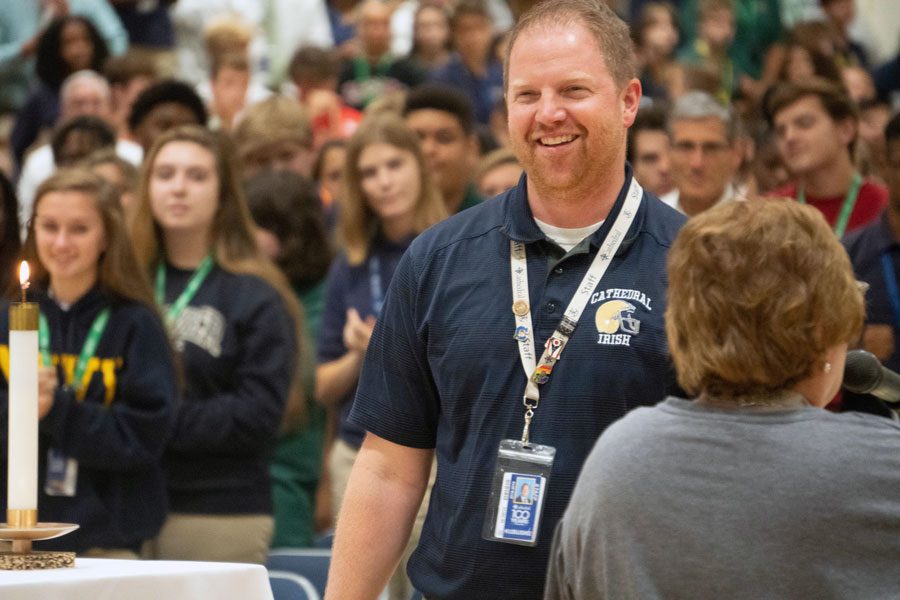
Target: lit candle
23,409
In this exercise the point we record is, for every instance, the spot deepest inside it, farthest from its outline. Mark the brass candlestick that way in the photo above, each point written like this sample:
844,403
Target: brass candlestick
22,526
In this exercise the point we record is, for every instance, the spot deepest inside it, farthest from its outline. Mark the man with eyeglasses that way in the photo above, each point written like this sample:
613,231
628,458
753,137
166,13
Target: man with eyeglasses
704,155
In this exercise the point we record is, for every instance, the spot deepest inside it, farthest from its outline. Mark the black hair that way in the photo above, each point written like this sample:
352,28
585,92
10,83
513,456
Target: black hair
169,90
892,129
442,97
651,118
287,205
11,246
49,65
103,136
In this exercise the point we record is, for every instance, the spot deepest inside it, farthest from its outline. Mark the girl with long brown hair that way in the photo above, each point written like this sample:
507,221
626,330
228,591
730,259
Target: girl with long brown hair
107,390
389,198
235,324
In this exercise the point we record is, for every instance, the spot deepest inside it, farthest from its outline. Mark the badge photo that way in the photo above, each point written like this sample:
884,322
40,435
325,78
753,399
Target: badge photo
519,510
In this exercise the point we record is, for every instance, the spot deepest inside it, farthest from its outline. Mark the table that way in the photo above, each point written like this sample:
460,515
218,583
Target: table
107,579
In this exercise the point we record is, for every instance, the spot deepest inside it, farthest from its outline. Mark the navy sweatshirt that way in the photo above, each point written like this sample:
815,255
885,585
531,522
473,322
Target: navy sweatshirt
238,348
116,428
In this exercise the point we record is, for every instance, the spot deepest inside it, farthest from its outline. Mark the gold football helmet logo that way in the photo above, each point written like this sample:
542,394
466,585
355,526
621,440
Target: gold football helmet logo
615,316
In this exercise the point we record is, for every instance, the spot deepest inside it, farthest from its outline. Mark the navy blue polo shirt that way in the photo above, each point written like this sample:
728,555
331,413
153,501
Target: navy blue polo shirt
443,372
866,247
350,286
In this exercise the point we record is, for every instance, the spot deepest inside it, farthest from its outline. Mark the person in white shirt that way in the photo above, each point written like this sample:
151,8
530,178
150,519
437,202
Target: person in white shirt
83,93
704,153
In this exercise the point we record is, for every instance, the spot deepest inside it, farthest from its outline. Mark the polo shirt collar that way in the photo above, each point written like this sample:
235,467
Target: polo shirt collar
519,223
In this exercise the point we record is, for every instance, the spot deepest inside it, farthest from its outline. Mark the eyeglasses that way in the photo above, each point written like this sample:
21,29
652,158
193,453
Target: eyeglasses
706,148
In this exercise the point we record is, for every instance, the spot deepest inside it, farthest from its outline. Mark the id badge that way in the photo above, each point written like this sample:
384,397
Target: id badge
62,474
518,492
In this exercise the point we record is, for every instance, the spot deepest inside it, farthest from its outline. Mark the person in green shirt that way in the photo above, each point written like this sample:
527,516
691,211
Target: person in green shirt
290,229
757,27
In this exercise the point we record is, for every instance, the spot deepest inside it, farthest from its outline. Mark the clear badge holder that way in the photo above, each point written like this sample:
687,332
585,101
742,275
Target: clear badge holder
518,493
62,474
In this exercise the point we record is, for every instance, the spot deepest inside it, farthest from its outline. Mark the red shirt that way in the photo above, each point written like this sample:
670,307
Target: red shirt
870,202
349,120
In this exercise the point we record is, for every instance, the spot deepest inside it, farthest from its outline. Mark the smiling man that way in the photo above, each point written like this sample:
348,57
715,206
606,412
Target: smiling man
473,304
815,125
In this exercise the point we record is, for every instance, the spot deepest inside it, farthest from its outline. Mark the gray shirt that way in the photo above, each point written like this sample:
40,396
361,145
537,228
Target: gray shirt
687,501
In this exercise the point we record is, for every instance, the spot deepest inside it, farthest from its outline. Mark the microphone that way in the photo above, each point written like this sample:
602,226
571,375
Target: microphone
864,374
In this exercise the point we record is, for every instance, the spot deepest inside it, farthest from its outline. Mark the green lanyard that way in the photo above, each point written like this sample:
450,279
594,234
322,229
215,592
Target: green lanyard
362,70
846,209
87,351
189,292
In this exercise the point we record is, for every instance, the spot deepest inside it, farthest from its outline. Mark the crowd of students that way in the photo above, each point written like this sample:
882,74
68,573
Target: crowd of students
213,222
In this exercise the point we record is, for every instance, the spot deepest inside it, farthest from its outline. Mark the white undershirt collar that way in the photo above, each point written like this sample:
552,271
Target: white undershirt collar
567,238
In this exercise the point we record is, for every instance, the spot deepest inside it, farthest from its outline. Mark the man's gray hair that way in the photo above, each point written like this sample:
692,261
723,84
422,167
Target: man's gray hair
701,105
84,76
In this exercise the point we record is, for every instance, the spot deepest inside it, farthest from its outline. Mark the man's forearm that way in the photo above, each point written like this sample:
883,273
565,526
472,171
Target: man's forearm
380,504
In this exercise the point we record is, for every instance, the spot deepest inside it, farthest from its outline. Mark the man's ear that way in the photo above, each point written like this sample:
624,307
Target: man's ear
848,129
631,101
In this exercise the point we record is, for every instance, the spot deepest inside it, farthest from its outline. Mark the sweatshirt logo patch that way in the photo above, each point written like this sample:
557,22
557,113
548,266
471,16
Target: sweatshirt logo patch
203,326
107,367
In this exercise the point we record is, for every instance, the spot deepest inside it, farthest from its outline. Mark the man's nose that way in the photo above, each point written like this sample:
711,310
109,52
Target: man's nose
665,164
696,157
429,145
787,134
550,109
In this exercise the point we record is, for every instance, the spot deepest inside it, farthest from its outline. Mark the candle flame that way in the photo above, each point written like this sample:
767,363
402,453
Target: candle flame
24,273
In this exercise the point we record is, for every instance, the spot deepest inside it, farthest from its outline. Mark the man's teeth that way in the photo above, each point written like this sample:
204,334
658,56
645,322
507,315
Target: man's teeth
555,141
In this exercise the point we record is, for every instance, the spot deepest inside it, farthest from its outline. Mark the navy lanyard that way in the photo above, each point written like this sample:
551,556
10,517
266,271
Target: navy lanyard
375,284
890,284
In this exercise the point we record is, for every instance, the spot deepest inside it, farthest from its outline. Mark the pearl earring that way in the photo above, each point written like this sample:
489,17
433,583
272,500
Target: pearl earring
828,367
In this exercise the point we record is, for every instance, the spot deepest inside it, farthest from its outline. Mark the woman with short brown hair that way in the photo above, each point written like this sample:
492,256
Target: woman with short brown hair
751,490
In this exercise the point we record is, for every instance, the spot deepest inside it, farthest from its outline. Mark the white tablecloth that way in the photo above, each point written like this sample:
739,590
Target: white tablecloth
105,579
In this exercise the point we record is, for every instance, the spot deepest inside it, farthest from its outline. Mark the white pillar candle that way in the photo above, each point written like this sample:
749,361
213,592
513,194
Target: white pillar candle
23,403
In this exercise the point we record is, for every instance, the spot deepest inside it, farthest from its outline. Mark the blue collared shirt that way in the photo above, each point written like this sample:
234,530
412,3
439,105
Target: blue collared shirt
866,248
443,372
483,92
